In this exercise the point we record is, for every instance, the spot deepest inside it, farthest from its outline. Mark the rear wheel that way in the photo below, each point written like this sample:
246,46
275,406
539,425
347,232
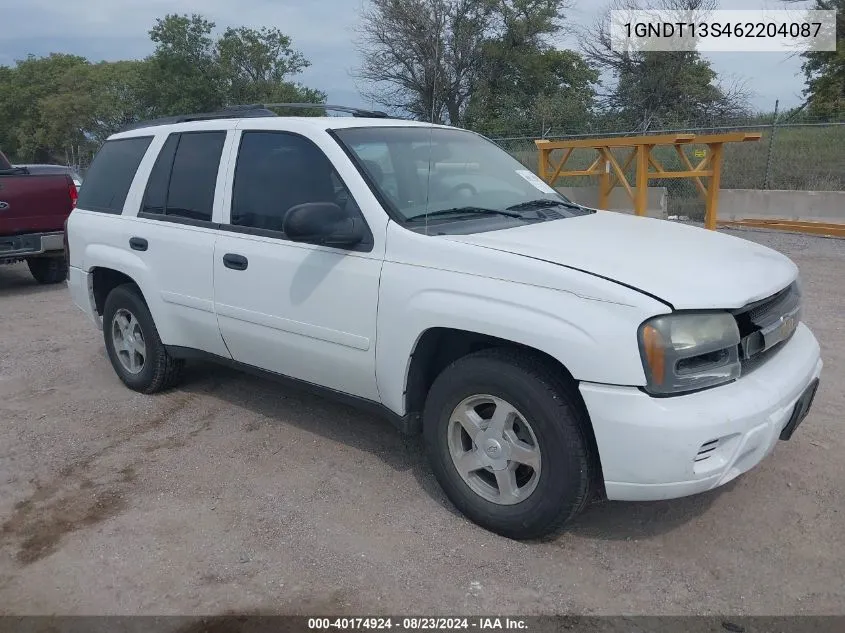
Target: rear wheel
136,352
48,270
505,437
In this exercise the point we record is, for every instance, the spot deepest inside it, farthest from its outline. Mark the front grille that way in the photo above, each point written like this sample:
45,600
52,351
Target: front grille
759,315
771,309
748,365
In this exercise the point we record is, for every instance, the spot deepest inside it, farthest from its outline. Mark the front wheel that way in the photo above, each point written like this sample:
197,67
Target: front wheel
504,434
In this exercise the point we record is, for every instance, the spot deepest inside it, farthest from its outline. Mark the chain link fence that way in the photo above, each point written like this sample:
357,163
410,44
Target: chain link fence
796,152
806,155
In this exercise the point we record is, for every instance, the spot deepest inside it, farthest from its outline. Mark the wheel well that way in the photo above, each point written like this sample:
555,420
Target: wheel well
106,280
438,348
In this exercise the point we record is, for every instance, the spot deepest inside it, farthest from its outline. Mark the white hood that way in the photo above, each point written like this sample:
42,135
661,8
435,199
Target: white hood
688,267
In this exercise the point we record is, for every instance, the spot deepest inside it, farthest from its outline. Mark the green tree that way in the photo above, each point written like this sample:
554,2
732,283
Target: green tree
191,71
8,134
255,66
60,106
118,99
670,88
27,86
423,57
551,91
527,85
824,71
482,63
92,102
182,75
660,89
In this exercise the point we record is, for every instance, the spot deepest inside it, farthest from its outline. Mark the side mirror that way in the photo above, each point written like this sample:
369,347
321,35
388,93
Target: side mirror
323,223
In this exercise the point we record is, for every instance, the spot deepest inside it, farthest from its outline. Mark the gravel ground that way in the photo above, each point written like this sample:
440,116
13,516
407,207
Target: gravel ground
234,494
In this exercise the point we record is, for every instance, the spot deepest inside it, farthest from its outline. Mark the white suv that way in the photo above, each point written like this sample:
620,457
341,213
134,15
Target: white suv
548,353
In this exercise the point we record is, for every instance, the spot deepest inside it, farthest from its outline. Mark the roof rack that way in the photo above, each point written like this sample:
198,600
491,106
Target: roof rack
234,112
357,112
255,110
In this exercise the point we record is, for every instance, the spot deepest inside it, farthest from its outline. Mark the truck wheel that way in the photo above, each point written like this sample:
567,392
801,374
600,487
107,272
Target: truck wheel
132,342
504,435
48,270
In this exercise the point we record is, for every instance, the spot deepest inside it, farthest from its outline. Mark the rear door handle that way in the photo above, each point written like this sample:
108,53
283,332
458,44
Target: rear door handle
138,243
235,262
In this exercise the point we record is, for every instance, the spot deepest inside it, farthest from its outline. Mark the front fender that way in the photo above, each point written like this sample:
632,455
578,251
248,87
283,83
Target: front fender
595,340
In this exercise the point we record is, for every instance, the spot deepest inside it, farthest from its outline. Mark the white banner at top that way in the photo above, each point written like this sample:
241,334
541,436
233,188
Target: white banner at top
750,31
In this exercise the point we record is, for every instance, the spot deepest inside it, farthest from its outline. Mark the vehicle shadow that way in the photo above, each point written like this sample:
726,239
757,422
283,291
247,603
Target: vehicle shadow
15,280
635,520
286,404
289,405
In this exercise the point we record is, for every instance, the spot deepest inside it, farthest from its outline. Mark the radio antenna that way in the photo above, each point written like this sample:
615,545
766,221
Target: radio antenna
431,120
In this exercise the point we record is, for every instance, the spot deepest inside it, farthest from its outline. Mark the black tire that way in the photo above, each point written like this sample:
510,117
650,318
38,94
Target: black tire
160,371
550,405
48,270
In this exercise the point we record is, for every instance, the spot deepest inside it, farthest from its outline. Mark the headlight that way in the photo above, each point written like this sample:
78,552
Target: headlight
689,351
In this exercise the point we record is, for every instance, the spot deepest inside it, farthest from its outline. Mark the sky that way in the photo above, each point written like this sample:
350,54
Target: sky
323,30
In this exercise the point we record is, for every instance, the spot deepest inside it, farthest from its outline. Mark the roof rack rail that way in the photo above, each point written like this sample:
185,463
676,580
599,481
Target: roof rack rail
255,110
234,112
356,112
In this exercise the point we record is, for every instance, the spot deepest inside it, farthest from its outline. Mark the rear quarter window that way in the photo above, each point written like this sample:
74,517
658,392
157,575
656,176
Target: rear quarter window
111,174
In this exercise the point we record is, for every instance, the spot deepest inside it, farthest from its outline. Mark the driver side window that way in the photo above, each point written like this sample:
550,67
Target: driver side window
276,171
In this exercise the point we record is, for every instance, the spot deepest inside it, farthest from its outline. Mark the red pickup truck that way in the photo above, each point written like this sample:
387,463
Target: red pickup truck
33,211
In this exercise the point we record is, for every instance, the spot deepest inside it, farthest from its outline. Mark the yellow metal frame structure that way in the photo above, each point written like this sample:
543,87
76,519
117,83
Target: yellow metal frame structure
612,173
828,229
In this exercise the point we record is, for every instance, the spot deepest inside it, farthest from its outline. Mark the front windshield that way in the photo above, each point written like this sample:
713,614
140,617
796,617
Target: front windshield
426,172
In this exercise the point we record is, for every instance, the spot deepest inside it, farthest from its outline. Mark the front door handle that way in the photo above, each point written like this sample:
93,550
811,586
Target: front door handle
235,262
138,243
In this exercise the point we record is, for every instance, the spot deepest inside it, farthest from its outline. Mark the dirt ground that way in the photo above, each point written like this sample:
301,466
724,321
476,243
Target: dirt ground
234,494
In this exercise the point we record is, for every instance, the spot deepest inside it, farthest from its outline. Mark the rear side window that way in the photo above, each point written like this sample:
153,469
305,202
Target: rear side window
110,175
155,198
183,180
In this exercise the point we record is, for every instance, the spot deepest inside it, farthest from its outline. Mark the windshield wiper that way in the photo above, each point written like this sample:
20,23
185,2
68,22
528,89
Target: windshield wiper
468,210
542,203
